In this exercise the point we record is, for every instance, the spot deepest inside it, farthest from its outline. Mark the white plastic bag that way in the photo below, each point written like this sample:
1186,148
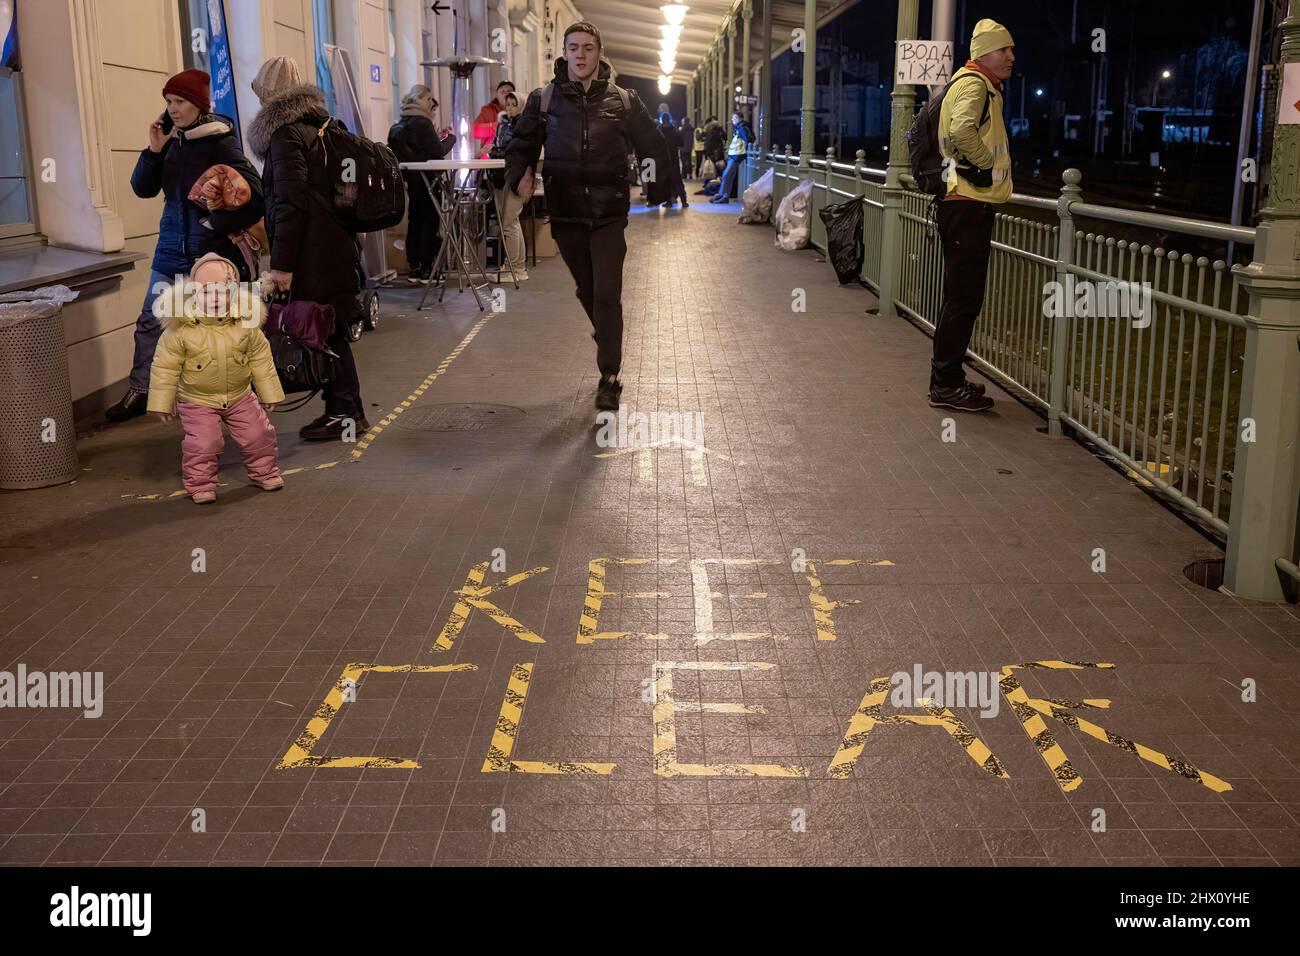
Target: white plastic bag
757,200
792,218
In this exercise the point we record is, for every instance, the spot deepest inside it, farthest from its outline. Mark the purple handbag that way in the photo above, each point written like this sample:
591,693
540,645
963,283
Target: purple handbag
309,322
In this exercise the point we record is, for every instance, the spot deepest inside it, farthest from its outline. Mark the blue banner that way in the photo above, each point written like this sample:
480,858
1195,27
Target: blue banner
9,34
223,77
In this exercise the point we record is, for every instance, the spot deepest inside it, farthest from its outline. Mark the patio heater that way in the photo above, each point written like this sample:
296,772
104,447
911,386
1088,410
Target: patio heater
462,66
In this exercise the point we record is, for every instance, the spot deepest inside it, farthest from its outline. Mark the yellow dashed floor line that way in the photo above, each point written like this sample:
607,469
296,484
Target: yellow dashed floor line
376,430
181,492
366,440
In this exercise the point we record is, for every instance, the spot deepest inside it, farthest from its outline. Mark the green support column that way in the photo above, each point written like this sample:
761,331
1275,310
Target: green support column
747,13
713,80
1266,474
1059,380
765,83
717,78
722,77
731,66
904,110
808,107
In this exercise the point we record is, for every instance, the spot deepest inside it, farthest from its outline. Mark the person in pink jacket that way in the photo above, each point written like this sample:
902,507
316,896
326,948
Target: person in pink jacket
210,358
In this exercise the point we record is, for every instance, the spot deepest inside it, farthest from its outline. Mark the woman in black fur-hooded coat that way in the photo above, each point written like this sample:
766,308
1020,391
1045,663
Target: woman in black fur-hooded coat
312,255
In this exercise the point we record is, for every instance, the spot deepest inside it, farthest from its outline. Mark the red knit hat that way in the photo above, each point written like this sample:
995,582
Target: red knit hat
192,85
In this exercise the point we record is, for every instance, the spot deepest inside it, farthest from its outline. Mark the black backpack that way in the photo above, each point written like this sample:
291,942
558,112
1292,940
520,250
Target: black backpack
369,194
923,153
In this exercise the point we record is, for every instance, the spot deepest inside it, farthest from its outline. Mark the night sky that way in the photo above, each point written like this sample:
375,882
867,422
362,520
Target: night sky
1202,44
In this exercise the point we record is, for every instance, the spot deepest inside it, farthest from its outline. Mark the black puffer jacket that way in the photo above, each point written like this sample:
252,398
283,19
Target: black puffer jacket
587,139
414,140
186,233
672,136
306,237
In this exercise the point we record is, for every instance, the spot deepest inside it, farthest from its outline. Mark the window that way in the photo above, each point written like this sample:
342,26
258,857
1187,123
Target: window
323,21
194,48
17,208
205,46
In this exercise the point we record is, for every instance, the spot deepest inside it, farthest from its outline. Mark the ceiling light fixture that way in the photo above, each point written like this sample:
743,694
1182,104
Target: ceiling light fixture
674,13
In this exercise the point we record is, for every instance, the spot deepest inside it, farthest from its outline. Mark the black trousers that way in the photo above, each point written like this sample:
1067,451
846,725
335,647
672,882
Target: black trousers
684,155
343,393
595,259
423,239
966,230
676,188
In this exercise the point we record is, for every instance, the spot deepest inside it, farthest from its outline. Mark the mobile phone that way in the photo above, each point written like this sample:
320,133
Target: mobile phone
166,122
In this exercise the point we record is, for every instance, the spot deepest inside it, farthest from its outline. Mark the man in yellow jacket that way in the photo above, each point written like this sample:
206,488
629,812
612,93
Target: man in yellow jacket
973,140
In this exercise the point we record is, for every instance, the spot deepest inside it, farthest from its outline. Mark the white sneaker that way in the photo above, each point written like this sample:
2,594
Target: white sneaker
521,276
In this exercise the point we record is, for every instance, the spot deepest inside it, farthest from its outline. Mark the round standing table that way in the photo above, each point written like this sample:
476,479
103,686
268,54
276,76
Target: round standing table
462,209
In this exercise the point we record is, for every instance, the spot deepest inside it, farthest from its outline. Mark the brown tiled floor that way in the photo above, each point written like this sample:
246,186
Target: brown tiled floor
830,448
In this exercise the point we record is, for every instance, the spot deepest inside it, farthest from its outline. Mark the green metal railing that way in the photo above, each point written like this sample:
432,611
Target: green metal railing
1159,393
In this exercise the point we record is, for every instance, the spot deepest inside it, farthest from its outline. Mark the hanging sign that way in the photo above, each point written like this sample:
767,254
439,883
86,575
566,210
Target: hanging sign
922,62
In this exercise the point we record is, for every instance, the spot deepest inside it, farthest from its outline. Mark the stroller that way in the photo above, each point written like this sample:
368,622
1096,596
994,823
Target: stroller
366,317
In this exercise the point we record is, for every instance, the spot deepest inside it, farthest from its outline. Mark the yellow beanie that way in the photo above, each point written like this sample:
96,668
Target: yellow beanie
989,35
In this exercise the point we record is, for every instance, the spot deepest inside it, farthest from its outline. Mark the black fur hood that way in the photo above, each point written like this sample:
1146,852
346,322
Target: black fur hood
295,103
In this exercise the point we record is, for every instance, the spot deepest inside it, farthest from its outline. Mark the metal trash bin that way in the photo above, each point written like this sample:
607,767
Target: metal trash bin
38,440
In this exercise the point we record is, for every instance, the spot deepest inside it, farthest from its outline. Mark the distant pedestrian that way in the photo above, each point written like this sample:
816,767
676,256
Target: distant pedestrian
972,133
686,133
737,150
676,189
485,124
715,142
313,255
184,142
415,139
509,205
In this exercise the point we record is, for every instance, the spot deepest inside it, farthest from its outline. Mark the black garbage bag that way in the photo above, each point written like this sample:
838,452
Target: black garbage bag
844,247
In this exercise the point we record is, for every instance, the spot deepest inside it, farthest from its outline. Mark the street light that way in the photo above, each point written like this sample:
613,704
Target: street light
1155,90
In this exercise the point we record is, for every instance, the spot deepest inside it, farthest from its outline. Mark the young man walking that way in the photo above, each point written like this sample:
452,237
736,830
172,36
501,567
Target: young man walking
588,125
972,135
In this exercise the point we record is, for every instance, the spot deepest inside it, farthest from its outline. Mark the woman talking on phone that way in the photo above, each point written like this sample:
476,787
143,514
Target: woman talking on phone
184,142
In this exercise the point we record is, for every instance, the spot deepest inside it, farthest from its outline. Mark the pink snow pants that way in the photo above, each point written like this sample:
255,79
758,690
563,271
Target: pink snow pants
201,449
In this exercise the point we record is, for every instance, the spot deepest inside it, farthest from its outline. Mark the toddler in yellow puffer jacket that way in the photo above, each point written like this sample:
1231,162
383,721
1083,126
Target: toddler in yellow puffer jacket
210,358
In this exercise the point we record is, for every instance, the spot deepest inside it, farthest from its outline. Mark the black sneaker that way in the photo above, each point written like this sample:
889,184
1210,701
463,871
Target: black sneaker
975,387
607,394
962,399
130,405
330,428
